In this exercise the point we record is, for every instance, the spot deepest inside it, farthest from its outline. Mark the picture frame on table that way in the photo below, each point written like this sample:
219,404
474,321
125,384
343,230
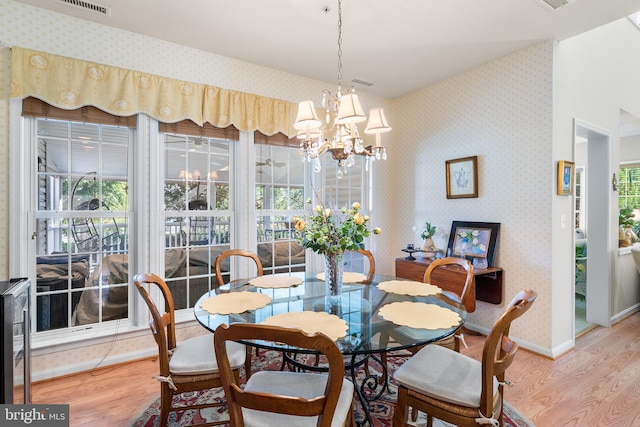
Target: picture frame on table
474,240
462,177
565,178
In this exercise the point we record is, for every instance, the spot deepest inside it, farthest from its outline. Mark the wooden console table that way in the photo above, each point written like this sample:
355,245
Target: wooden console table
489,281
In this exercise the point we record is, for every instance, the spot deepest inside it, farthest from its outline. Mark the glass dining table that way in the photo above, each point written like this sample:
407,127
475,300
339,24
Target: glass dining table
367,329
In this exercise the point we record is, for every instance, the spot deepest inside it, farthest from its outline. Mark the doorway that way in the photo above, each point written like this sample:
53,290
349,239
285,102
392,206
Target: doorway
593,149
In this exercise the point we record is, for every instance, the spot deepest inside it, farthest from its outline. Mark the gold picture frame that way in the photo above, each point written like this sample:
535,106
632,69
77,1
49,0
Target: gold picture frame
462,177
565,178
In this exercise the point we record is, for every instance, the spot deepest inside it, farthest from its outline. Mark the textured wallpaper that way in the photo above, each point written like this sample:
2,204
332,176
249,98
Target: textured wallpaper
501,112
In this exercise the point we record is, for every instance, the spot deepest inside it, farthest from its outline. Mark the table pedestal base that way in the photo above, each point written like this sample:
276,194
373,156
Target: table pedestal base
368,389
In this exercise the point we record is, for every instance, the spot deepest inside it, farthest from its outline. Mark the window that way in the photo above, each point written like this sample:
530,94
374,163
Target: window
92,212
344,192
198,208
629,190
279,196
629,186
82,223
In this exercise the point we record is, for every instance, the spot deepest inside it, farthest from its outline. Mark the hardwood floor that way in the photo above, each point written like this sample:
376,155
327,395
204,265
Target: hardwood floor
597,384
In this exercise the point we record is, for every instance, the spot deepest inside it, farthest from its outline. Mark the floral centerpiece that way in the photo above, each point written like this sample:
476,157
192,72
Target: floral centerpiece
330,234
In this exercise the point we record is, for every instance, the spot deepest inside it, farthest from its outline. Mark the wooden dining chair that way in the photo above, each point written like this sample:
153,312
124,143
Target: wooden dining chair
235,252
219,279
189,365
462,291
371,261
455,388
452,287
284,398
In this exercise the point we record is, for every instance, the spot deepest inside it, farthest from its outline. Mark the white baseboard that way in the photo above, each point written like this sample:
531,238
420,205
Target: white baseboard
625,313
543,351
93,364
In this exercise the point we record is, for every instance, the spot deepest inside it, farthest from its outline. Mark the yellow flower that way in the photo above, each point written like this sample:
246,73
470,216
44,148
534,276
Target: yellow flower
358,218
377,230
333,232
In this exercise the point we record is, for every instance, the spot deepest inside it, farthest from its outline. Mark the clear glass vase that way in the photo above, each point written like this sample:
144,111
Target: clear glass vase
333,269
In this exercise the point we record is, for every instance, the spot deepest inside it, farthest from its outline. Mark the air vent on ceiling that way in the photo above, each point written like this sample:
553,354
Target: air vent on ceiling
88,5
555,4
362,82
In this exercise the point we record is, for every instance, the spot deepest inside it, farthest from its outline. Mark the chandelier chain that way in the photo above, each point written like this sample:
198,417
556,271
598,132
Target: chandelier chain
339,134
339,44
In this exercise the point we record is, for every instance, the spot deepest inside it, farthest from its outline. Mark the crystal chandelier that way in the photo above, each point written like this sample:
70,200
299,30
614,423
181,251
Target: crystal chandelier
338,134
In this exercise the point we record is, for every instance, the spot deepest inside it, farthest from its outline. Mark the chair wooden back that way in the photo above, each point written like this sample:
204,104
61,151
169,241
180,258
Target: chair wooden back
322,406
372,265
499,350
235,252
449,279
162,325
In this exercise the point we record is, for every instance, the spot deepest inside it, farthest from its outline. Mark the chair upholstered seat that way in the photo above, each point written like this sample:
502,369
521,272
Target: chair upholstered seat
438,372
195,356
456,388
296,384
417,335
281,398
189,365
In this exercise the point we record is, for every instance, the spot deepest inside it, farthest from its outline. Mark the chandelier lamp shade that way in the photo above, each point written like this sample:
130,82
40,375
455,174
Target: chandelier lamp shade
338,133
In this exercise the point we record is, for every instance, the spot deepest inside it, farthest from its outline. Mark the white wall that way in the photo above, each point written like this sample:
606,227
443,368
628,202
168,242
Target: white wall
597,81
630,148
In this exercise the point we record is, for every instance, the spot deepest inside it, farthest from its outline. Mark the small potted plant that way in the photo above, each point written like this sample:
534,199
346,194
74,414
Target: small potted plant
626,220
429,248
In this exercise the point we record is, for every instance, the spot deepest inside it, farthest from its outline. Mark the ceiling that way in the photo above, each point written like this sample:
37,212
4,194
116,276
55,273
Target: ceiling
398,45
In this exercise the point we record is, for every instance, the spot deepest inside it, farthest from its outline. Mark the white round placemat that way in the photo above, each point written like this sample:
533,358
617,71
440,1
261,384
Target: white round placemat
347,277
272,281
419,315
310,322
235,302
409,287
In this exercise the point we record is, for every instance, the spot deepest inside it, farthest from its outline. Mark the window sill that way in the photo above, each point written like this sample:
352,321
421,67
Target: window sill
71,339
66,339
627,249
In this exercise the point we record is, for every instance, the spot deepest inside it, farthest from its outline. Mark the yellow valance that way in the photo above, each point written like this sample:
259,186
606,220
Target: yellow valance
71,83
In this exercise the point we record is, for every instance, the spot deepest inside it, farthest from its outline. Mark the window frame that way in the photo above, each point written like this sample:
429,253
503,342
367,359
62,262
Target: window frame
271,145
22,262
145,169
621,182
158,177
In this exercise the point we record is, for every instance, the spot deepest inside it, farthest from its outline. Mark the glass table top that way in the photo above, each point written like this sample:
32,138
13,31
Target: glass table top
358,305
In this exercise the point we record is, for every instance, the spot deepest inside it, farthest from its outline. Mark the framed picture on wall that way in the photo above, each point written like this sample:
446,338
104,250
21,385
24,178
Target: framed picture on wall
565,178
462,177
474,240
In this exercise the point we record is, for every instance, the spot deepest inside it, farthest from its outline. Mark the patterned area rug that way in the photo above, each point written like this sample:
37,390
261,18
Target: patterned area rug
381,409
